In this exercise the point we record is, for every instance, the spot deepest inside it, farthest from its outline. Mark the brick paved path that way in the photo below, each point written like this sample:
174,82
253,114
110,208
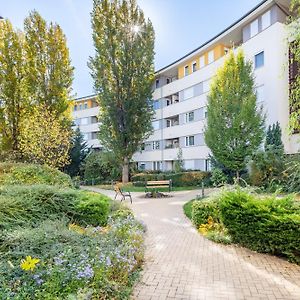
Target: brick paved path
181,264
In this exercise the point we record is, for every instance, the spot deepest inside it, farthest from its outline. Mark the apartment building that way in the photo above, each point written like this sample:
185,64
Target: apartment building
181,89
85,114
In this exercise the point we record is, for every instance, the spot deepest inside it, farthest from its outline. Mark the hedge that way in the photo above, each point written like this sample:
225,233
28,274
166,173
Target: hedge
29,205
30,174
178,179
202,209
268,225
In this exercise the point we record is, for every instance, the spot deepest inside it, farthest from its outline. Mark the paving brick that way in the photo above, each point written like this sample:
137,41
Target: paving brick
181,264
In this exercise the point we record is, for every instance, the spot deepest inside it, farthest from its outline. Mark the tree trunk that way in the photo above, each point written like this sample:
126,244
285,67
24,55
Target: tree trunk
125,170
237,177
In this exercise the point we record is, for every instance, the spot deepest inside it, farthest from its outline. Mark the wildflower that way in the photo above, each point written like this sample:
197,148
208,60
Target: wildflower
29,263
87,272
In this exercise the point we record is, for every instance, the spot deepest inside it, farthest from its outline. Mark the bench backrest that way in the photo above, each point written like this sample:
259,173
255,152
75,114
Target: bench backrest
158,182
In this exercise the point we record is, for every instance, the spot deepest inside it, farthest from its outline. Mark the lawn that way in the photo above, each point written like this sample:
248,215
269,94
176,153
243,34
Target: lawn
130,188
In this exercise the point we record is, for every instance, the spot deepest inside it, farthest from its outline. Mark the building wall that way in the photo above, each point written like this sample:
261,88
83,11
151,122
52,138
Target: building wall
271,80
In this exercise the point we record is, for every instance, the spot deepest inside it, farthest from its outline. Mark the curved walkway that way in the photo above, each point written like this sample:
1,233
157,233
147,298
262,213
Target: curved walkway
181,264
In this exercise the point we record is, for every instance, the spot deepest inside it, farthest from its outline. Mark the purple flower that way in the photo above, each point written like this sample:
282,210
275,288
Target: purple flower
87,272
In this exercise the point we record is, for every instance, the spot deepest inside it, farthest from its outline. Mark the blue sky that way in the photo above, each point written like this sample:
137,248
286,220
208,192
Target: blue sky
180,26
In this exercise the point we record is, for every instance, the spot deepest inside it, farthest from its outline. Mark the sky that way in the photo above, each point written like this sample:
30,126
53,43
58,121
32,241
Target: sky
180,26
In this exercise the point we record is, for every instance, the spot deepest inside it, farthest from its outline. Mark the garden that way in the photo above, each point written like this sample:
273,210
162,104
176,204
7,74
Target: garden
262,222
57,242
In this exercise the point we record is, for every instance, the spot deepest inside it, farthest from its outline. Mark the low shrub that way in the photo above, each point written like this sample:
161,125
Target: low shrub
29,174
203,209
93,209
192,178
265,224
29,205
71,262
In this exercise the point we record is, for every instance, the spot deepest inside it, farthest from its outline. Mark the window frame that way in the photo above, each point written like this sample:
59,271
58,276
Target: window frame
186,70
256,66
194,64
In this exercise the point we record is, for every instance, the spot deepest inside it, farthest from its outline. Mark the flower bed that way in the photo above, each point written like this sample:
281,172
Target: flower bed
56,260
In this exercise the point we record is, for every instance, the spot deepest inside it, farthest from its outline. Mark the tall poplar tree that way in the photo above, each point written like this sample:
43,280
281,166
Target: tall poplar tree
13,94
123,73
295,53
235,125
50,74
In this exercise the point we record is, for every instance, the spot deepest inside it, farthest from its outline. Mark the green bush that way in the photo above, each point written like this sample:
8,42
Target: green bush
193,178
93,209
29,174
218,178
203,209
269,225
29,205
101,167
74,262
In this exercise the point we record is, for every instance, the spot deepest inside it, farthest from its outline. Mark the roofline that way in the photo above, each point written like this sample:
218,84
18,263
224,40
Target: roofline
86,97
215,37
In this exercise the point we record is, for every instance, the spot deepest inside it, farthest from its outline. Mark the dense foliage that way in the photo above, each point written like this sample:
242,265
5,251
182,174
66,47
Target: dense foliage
193,178
60,243
78,152
123,73
30,174
267,224
100,167
264,224
35,91
235,125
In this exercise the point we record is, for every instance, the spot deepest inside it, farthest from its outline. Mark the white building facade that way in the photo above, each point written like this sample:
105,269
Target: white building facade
181,89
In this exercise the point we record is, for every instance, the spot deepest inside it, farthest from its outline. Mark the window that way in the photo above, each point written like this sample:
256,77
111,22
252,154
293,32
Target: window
207,165
194,66
77,122
202,61
189,164
156,104
86,136
260,94
156,145
157,165
155,125
157,83
206,86
75,107
142,166
168,80
84,121
266,20
211,56
94,135
226,50
80,106
254,28
85,105
189,117
94,120
190,141
186,70
259,60
142,146
188,93
198,89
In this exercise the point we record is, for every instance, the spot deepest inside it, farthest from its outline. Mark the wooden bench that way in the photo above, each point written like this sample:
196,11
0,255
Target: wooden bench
122,193
156,184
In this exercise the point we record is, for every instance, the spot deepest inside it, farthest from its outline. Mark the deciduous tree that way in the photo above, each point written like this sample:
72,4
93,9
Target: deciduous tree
295,51
44,139
50,74
235,125
13,93
123,74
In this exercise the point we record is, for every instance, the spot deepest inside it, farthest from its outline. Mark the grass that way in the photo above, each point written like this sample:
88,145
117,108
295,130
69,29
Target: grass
187,208
130,188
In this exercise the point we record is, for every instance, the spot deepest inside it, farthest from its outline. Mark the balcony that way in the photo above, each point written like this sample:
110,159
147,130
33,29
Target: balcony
172,99
174,121
172,143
